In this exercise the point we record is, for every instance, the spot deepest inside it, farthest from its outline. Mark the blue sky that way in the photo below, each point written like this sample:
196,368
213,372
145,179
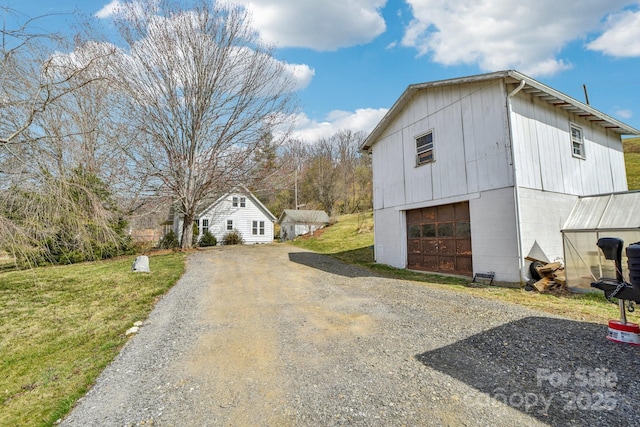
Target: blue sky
355,58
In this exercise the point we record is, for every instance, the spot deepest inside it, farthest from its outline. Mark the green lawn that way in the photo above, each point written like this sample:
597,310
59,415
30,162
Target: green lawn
62,325
632,162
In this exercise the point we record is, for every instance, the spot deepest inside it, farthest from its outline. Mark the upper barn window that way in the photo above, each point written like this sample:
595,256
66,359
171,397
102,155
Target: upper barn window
577,141
424,148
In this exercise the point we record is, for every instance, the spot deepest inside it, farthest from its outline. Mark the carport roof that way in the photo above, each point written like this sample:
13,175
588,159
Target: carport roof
617,211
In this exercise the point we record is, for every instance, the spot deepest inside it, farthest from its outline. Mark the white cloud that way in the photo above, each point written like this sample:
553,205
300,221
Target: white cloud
623,113
622,36
320,25
364,119
502,34
108,10
135,8
301,73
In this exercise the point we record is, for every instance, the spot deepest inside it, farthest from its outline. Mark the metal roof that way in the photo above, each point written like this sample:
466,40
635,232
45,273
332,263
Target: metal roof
617,211
531,86
303,216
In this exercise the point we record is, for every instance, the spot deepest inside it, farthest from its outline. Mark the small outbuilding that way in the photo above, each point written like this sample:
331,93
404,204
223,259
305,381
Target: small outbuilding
593,217
295,223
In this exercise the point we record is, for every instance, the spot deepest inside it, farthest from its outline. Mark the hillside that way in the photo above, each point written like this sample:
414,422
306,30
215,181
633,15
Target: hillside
632,162
349,239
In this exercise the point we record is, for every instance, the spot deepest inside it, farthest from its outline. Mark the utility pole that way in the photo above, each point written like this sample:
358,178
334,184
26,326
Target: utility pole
295,180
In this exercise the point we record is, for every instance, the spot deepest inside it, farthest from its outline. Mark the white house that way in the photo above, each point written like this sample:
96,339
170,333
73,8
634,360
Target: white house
298,222
237,210
472,174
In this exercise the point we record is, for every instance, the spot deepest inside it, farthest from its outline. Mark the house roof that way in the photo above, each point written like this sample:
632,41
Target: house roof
530,86
238,190
617,211
304,216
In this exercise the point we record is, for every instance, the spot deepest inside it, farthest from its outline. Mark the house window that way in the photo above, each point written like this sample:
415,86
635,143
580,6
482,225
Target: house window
243,202
230,224
257,227
424,149
205,225
235,201
577,142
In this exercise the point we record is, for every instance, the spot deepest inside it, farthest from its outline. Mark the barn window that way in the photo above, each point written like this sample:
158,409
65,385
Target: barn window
235,201
577,142
230,224
205,225
243,202
424,148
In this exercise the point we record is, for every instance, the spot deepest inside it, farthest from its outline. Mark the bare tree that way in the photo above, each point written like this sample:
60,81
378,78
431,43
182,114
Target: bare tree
350,162
337,176
202,91
322,176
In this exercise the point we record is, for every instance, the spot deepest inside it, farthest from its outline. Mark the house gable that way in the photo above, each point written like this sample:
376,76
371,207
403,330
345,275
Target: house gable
238,210
471,149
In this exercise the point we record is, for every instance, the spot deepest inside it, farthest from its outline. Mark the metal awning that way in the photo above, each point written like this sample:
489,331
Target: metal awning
617,211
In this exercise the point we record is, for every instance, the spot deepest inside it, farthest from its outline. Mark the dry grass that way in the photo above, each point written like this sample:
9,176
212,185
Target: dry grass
632,162
62,325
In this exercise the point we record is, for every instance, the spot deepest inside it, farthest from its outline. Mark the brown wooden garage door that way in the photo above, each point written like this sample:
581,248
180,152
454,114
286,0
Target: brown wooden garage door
439,239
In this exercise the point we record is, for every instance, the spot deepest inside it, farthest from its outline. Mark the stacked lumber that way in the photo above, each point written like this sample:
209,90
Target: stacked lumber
552,277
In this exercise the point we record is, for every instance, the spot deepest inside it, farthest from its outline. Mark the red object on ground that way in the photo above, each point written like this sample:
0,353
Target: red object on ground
628,333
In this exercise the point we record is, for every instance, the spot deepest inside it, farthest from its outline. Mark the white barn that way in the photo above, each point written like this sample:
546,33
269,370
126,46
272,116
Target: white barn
237,210
471,174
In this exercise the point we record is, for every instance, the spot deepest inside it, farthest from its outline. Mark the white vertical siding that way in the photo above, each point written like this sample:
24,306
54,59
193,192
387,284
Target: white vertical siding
544,156
471,146
388,178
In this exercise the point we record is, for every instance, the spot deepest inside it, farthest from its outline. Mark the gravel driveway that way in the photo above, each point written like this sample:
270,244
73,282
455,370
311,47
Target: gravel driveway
276,336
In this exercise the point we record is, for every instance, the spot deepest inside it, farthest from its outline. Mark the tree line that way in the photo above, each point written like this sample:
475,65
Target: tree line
329,174
181,104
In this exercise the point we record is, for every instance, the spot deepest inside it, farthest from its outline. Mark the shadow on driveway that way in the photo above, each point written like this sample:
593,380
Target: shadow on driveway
560,371
329,264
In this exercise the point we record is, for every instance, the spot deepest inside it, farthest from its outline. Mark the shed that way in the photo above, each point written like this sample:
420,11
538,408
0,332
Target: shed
295,223
593,217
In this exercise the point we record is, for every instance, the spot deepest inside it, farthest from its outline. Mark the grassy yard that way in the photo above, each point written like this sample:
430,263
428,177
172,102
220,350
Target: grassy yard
351,240
632,162
62,325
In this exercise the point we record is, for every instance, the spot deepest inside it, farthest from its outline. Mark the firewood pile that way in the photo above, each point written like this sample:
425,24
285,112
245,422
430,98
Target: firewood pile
550,277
